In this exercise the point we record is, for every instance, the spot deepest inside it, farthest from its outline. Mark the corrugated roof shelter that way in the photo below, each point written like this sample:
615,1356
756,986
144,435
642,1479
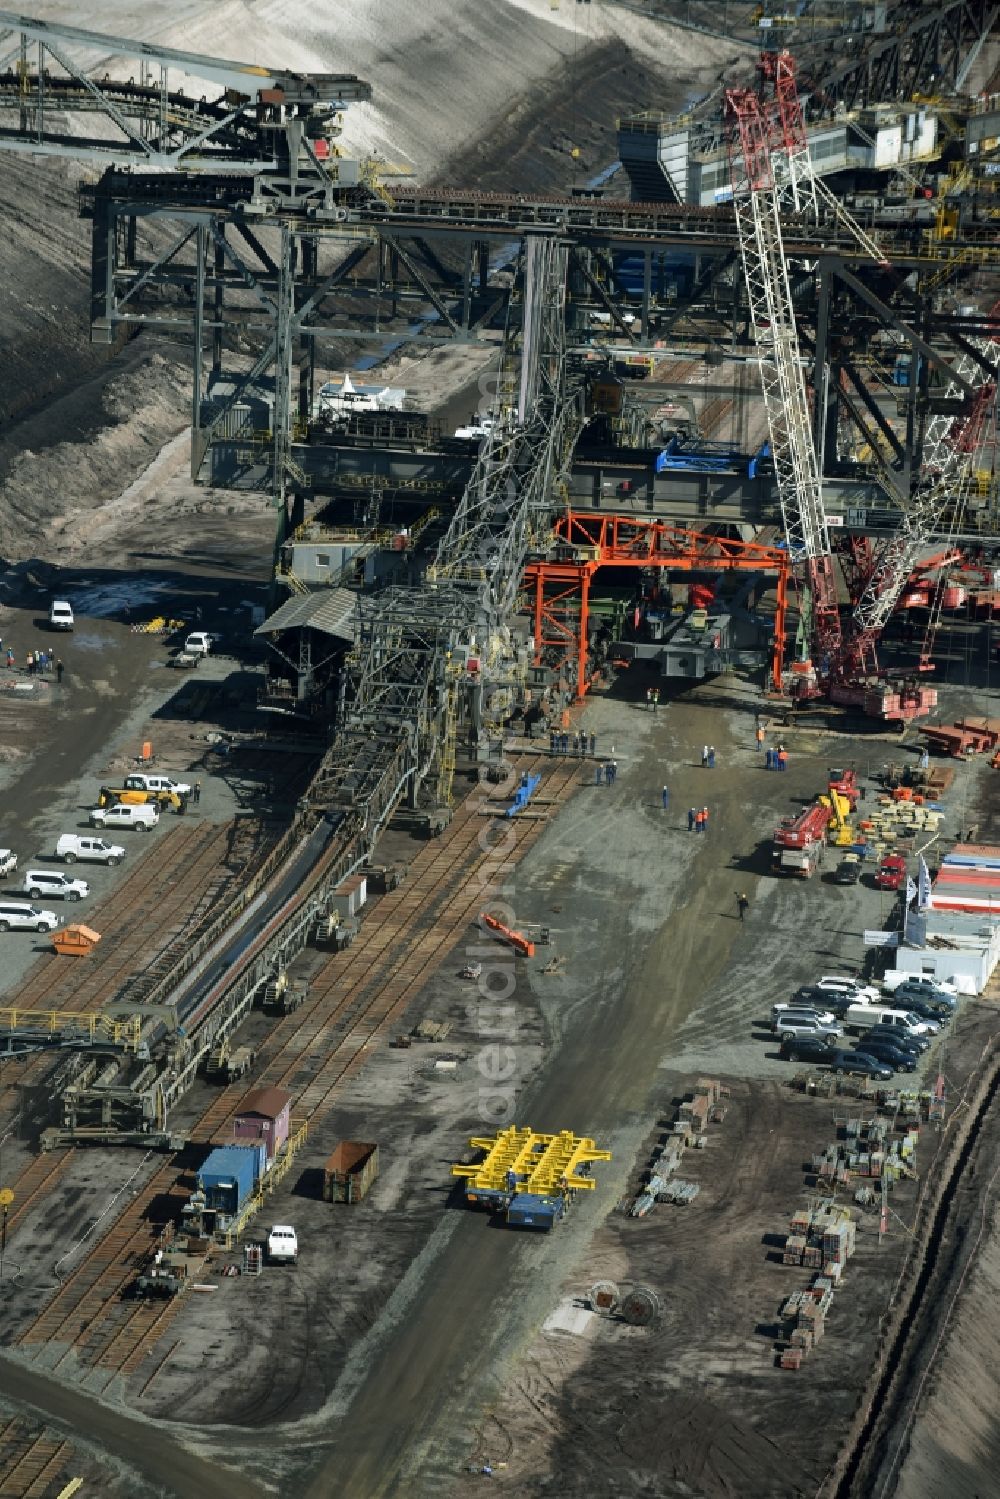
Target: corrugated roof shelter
268,1102
329,610
264,1115
969,880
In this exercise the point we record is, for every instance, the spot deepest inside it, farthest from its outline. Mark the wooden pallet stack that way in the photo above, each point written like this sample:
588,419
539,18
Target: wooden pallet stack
803,1317
812,1229
897,821
706,1103
866,1149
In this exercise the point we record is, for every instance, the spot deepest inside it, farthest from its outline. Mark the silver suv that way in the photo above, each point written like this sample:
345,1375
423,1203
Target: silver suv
807,1025
54,884
17,914
783,1011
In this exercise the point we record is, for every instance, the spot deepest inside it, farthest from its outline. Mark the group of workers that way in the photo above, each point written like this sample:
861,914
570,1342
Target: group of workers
559,743
36,663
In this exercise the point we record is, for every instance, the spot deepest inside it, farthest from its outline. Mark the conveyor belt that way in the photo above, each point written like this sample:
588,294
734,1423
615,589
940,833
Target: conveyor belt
199,990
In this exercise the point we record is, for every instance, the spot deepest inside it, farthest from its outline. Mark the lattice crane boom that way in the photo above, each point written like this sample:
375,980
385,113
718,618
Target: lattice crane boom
772,314
790,154
949,454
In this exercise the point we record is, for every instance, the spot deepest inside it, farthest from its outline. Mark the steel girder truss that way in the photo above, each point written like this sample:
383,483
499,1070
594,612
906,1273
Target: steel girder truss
792,163
267,123
558,585
394,694
925,48
851,318
218,274
772,314
521,458
398,707
949,453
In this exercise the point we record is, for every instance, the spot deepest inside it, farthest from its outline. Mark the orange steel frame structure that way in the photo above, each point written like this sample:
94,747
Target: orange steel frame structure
589,542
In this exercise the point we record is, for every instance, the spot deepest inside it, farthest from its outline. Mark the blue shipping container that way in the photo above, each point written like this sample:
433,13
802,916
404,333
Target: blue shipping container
230,1174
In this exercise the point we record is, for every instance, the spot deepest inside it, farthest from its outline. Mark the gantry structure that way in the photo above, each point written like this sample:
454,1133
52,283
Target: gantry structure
241,215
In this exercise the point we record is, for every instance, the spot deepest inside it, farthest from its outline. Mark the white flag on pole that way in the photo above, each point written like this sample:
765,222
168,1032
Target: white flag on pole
911,892
924,886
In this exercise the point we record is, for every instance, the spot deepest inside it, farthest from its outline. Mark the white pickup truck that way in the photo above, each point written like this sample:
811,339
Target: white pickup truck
282,1245
8,863
73,846
143,782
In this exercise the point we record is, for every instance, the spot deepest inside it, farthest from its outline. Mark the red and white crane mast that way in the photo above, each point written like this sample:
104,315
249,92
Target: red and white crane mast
756,201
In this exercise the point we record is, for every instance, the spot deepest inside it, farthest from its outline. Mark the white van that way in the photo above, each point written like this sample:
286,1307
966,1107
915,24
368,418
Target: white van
61,615
143,816
863,1017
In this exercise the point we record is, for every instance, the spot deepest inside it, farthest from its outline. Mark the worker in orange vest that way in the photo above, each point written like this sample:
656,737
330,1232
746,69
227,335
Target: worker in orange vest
704,819
699,821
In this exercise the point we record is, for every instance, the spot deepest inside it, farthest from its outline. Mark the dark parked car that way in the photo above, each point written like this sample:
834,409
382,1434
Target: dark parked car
822,999
848,871
805,1049
860,1064
895,1056
913,995
927,1010
897,1037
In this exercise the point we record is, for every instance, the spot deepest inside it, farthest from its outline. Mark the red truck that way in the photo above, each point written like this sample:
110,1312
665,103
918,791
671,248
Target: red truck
891,872
799,841
846,783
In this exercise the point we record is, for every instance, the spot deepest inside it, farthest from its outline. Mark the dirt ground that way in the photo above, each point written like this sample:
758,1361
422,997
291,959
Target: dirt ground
370,1323
696,1404
417,1338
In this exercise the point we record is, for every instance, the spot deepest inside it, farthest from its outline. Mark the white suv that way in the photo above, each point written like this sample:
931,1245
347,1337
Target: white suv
61,615
800,1024
835,984
52,882
17,914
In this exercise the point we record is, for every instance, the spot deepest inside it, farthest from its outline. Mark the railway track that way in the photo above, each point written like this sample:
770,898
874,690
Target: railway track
158,889
714,414
355,1000
31,1462
135,922
38,1177
673,371
144,916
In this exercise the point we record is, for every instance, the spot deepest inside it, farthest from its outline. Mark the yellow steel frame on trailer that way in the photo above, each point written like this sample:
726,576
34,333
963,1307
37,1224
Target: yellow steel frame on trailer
541,1163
